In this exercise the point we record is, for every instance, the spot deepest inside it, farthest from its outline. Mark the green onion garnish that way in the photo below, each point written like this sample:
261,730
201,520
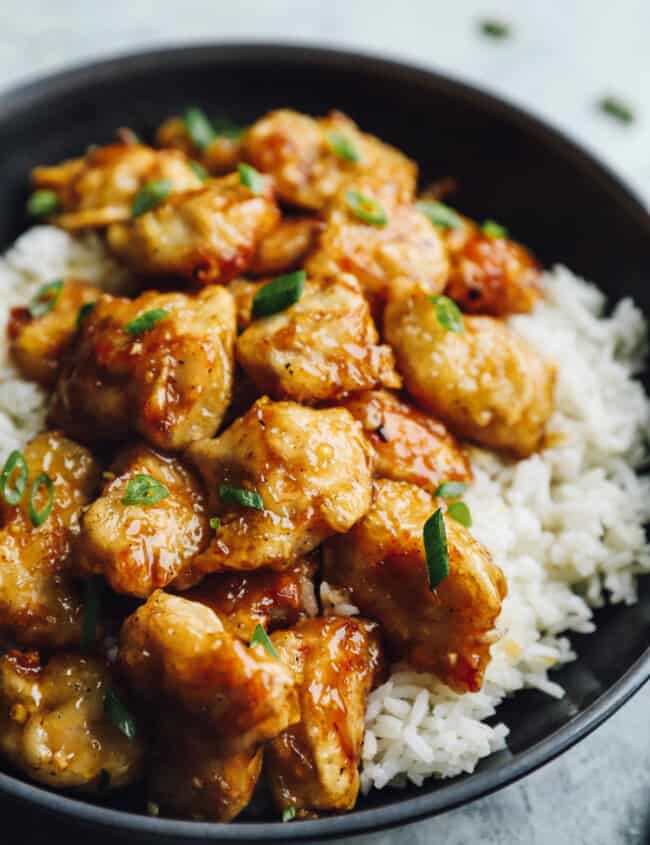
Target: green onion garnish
251,178
83,312
144,490
46,298
450,490
495,29
146,321
279,294
42,203
118,715
38,517
91,612
366,208
199,170
239,496
494,230
461,513
343,146
617,109
15,461
150,195
215,523
435,549
226,128
448,314
289,813
199,128
439,214
260,637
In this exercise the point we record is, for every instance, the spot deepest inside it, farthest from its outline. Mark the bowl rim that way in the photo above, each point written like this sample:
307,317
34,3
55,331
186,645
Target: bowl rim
456,792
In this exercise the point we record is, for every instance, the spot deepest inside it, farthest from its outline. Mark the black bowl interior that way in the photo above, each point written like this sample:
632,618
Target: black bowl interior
509,167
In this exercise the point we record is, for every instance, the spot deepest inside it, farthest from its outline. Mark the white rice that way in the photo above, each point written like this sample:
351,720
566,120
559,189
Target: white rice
566,525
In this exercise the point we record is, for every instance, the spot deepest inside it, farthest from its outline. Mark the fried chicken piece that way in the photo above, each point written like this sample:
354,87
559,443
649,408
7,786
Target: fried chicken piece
410,446
38,603
314,765
207,236
181,649
243,292
264,597
322,348
221,156
191,777
99,189
300,152
161,365
382,562
485,382
140,547
286,247
40,334
490,275
53,726
311,469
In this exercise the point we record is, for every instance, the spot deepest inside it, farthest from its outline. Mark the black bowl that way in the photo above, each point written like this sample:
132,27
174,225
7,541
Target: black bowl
510,167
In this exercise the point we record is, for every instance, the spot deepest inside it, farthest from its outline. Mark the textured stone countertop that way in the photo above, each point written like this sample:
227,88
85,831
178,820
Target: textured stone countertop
564,57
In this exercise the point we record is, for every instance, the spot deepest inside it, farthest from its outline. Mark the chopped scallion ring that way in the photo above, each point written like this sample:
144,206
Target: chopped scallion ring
199,128
42,203
150,196
366,208
199,170
260,637
46,298
448,314
279,294
289,813
343,147
215,523
461,513
435,549
144,490
146,321
439,214
239,496
494,230
83,312
617,109
38,517
495,29
251,178
450,490
118,715
16,461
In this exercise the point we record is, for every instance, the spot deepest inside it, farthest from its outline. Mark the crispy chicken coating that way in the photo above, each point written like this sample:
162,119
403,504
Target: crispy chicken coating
300,152
38,603
382,562
190,776
485,382
313,766
53,726
37,341
99,189
141,547
181,649
207,236
410,446
286,247
161,365
312,470
322,348
221,156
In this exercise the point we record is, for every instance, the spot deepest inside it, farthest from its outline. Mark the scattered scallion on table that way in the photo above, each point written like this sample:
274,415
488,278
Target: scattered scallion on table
496,29
617,108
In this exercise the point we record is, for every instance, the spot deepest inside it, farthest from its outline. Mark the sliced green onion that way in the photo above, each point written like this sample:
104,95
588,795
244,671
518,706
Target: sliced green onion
289,813
215,523
83,312
150,195
15,461
118,715
343,146
46,298
153,809
448,314
251,178
146,321
450,490
91,612
435,549
42,203
439,214
494,230
366,208
239,496
144,490
260,637
495,29
199,128
199,170
38,517
279,294
461,513
617,109
224,127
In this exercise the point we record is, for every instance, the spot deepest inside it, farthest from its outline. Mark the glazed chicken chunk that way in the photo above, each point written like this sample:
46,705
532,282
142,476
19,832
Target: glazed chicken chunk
286,247
220,155
310,159
282,478
485,382
146,526
181,649
447,631
161,365
53,726
314,765
207,236
40,333
409,445
320,349
39,605
100,188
